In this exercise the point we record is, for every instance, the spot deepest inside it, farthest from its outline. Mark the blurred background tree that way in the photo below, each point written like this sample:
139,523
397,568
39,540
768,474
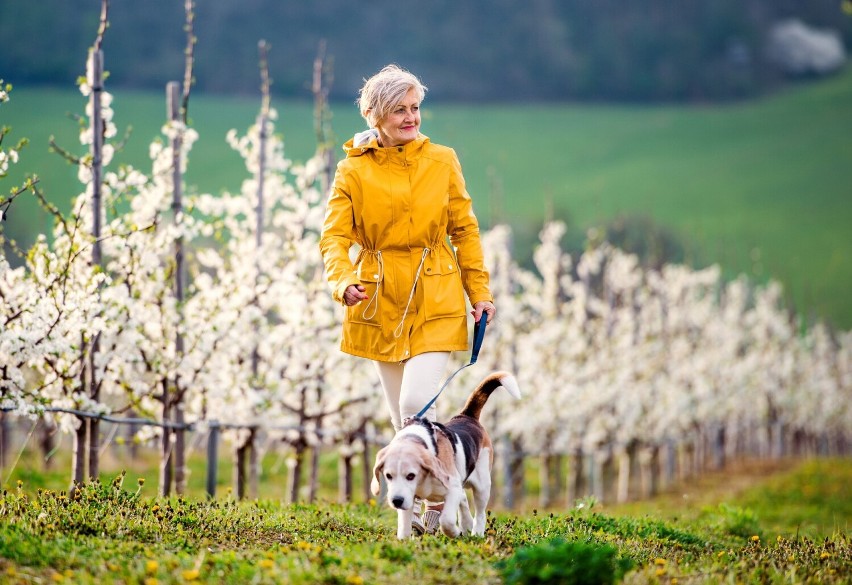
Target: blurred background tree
495,50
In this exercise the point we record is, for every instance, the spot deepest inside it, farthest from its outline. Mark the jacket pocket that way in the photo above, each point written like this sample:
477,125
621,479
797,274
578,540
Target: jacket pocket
443,293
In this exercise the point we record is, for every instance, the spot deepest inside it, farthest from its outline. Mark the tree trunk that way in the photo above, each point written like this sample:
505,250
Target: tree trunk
240,461
575,488
649,461
46,441
622,493
295,479
544,496
316,451
344,477
5,437
367,462
180,451
253,464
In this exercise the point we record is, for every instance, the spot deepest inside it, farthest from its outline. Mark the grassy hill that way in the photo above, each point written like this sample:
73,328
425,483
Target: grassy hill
763,188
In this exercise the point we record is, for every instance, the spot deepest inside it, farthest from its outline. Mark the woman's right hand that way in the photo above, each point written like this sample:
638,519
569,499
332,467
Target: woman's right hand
354,294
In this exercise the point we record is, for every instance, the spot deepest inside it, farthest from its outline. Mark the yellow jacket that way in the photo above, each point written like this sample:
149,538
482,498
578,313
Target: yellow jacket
399,204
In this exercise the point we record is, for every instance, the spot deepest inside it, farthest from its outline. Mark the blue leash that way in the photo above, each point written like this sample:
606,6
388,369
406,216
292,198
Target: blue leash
478,336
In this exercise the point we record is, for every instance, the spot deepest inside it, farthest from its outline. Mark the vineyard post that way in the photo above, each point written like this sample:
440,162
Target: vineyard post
96,150
173,109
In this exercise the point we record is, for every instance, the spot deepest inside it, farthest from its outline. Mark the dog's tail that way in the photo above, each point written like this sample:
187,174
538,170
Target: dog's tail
479,397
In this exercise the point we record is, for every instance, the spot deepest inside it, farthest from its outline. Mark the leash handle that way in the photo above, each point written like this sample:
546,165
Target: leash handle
478,336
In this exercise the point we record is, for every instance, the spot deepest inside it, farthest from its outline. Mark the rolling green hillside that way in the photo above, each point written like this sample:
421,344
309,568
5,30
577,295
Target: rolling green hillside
762,187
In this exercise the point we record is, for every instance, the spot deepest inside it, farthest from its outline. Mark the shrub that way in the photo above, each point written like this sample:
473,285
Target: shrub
559,561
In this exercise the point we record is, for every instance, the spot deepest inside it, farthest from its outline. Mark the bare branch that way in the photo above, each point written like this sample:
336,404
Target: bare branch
104,24
189,7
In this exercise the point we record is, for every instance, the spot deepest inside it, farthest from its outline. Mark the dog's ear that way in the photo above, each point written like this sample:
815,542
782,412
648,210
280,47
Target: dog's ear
434,466
376,484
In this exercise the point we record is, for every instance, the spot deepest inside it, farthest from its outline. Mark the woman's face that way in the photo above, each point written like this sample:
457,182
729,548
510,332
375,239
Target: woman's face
402,125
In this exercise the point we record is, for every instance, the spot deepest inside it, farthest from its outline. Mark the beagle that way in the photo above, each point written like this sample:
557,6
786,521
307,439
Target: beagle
435,462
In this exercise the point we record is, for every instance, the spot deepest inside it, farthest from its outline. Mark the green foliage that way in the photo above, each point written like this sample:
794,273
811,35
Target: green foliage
649,50
562,562
109,532
736,521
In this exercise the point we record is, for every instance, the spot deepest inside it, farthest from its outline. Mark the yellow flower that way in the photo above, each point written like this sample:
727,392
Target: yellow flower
155,508
354,580
151,567
661,572
57,577
151,581
721,554
302,545
141,481
755,538
112,567
190,575
659,561
11,571
267,564
824,556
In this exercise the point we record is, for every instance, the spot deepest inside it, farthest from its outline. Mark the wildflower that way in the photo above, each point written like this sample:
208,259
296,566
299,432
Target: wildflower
267,564
661,571
302,545
155,508
190,575
659,561
141,481
354,580
151,567
150,581
755,538
824,556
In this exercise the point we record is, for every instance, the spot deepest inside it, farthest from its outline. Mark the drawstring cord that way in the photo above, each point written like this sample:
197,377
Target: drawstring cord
398,331
380,277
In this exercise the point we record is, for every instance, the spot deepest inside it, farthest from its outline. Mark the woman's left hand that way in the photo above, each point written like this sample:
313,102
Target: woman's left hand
486,307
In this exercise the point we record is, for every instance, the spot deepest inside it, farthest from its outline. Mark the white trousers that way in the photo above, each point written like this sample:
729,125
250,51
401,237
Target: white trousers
410,385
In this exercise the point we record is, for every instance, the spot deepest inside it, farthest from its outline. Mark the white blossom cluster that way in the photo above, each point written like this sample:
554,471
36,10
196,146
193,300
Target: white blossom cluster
609,354
606,352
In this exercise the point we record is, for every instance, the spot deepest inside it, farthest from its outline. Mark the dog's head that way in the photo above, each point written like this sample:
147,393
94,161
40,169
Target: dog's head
405,465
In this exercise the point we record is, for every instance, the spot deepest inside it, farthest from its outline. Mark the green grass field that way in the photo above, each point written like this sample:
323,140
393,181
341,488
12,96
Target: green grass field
763,187
116,532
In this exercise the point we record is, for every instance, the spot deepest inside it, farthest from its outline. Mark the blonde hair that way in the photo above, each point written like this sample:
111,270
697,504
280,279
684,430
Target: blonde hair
384,91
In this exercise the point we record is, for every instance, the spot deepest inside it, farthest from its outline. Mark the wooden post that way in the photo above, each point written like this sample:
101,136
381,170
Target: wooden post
212,458
96,150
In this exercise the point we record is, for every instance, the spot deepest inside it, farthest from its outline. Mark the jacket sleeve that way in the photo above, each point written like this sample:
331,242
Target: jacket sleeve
463,229
338,235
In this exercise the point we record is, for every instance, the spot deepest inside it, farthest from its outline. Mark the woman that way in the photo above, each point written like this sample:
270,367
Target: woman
398,196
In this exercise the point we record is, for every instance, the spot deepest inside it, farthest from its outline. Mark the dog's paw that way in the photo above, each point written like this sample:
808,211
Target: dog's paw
450,529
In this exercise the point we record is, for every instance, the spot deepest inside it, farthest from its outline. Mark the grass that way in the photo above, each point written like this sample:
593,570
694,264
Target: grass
761,187
115,531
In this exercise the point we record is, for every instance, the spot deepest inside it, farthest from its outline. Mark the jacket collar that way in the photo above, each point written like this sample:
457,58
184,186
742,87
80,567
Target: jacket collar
367,142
